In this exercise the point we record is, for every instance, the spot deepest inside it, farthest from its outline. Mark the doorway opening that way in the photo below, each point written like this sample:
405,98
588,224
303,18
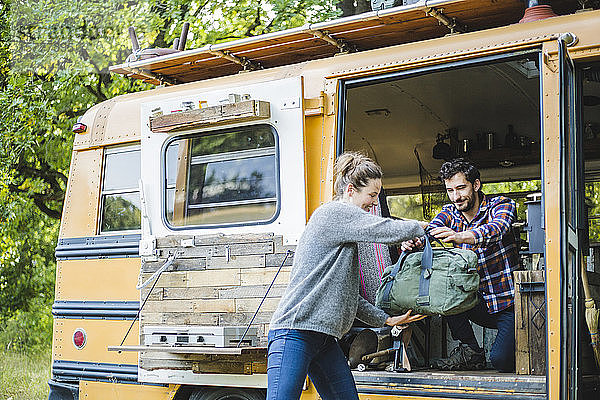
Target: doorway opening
487,111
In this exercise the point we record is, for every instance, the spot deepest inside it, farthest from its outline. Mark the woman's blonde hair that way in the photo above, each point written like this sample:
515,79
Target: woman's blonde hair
355,168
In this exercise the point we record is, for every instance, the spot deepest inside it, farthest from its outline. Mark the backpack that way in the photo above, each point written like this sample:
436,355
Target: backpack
433,281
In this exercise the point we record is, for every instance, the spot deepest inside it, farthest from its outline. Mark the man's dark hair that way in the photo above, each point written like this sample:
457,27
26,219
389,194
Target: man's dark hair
451,168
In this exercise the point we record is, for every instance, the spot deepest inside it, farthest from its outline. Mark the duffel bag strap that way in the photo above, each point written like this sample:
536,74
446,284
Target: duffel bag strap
446,248
387,286
426,270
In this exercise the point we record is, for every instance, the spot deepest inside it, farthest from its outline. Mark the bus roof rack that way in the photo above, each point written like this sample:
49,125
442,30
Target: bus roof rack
419,21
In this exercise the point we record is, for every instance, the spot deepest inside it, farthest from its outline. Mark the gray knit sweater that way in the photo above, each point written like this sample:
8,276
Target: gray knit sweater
323,292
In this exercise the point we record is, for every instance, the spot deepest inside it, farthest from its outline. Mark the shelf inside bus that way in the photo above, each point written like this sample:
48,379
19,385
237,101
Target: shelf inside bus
192,349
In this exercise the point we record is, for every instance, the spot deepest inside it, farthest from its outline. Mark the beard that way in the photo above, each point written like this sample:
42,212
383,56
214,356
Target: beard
466,203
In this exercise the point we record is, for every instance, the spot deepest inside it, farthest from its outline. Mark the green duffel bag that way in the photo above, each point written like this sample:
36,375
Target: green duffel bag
433,281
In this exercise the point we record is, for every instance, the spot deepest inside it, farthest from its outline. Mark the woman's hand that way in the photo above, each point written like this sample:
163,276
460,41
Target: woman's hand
404,319
412,244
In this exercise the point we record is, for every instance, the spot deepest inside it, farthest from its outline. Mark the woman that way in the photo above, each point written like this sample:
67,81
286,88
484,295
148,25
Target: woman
322,298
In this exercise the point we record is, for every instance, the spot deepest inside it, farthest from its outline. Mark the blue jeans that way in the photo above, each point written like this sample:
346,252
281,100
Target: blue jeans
502,354
293,354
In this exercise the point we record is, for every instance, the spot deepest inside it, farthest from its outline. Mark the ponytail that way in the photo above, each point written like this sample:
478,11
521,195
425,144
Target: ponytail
354,168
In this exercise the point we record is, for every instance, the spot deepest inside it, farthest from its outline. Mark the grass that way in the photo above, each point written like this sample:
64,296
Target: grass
24,376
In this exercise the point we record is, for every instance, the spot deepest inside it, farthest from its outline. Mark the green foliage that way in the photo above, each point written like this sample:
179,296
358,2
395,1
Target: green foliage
28,331
121,213
411,205
27,240
24,375
222,20
592,196
517,187
54,59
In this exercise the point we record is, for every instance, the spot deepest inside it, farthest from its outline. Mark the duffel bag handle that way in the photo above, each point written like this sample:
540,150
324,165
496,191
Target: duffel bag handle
426,271
386,304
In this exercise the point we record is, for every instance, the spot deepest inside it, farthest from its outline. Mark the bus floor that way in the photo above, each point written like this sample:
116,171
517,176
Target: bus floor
484,384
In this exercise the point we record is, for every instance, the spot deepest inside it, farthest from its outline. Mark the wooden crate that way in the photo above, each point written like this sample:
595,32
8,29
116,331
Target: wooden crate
215,280
530,322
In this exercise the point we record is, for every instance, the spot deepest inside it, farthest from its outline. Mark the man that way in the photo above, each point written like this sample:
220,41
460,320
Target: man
474,221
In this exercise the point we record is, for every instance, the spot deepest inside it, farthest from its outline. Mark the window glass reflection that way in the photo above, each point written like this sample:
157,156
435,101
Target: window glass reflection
243,139
121,212
172,157
233,180
222,178
114,167
231,214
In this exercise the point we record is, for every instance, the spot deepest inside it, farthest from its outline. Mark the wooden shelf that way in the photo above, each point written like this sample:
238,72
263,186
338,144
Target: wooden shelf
494,158
192,349
505,157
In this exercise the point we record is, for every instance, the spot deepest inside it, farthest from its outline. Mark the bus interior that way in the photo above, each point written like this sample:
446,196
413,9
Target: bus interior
488,111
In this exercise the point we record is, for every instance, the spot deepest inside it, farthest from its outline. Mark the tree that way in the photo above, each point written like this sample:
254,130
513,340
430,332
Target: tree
54,59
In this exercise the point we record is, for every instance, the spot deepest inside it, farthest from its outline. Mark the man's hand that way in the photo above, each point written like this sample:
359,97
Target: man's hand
447,235
404,319
412,244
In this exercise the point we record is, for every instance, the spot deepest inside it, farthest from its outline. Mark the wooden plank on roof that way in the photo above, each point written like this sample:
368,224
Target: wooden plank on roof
250,110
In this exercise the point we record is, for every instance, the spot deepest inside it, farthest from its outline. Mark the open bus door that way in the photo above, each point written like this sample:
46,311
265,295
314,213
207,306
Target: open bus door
572,220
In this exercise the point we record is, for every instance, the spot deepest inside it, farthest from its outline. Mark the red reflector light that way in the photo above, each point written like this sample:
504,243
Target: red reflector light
79,128
79,338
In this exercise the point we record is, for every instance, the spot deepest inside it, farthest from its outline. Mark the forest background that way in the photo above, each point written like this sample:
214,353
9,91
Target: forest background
54,59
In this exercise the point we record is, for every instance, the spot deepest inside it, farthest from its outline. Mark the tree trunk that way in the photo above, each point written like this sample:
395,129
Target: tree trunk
362,6
347,7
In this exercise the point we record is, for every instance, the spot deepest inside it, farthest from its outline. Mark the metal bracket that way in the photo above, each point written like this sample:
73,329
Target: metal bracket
248,65
340,44
148,247
569,39
163,80
540,309
532,287
443,19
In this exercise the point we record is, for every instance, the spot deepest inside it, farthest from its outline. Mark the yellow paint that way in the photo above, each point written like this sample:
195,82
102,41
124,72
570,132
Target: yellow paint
313,151
327,157
82,140
108,279
100,334
551,125
89,390
80,211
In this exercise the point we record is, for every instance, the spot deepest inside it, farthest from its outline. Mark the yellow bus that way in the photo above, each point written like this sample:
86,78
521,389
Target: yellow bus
185,202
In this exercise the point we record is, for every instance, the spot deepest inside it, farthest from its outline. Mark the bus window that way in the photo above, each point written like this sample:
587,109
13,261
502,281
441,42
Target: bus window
120,191
229,176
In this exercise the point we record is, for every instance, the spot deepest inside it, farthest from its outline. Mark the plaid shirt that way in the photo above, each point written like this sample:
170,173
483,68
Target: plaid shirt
495,246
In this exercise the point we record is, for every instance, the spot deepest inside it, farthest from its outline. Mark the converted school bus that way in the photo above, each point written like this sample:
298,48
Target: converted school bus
214,173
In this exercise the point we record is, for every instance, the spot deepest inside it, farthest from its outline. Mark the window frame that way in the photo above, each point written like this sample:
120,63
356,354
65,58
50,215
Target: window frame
122,148
220,157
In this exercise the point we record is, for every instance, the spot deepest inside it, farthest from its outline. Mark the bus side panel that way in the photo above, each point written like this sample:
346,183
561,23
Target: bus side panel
102,279
91,390
319,151
100,333
80,211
